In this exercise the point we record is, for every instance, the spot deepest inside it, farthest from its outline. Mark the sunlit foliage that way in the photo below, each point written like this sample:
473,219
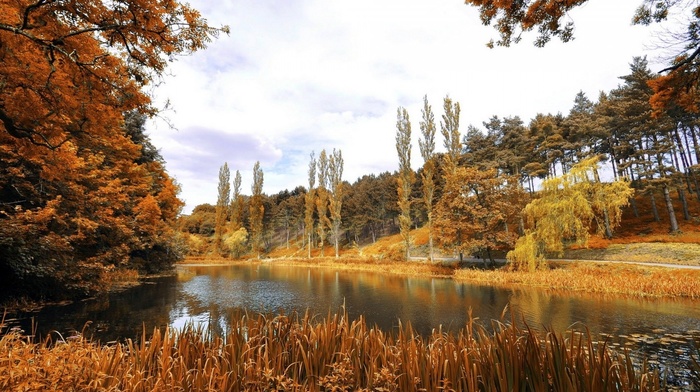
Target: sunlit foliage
564,212
406,175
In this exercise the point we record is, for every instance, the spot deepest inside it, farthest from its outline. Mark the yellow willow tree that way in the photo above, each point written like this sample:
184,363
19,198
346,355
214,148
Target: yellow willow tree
406,175
309,204
427,151
257,210
336,201
565,212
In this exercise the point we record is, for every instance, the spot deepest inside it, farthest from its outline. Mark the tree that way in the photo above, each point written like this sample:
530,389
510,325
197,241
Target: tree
678,86
257,210
427,151
82,191
564,212
406,175
335,169
222,204
473,213
449,127
322,199
237,203
309,204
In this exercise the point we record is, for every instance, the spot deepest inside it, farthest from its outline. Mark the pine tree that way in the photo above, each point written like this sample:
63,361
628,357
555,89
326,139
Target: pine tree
406,175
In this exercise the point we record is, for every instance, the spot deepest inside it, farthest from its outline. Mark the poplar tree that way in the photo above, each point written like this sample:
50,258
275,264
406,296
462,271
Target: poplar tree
309,203
449,127
257,209
222,203
406,175
336,201
322,198
427,151
237,203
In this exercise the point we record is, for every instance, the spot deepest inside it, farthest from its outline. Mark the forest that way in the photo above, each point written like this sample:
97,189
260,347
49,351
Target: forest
619,150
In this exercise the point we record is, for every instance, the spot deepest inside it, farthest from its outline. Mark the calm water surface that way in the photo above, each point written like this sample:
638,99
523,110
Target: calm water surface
658,328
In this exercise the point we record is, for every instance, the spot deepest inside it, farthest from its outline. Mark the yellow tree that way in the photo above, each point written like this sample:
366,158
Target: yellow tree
565,211
309,204
222,205
335,171
322,199
257,210
406,176
427,151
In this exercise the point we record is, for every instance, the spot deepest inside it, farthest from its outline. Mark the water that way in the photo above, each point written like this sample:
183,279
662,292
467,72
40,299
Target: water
660,329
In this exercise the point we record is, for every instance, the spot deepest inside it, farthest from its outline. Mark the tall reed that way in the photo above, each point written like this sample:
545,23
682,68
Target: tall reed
300,352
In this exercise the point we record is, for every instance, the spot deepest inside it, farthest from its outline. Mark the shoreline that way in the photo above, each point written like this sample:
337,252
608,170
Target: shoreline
591,276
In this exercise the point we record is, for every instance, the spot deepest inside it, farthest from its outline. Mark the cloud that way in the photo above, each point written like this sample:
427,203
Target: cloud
303,75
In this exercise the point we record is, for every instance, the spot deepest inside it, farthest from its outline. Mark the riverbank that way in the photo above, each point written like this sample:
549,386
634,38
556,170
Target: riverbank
606,278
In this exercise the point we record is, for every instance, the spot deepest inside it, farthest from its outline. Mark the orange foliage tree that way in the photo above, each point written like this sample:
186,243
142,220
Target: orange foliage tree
82,190
475,210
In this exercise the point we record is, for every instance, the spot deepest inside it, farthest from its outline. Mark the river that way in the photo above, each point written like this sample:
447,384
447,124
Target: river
659,329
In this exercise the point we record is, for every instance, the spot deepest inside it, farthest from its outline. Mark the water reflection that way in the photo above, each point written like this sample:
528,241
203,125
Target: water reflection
209,295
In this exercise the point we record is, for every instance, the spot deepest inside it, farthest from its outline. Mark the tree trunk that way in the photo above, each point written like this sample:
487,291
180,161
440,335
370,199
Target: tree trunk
669,208
633,203
653,208
684,202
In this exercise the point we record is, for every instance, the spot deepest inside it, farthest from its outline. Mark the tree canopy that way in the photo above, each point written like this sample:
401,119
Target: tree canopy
83,191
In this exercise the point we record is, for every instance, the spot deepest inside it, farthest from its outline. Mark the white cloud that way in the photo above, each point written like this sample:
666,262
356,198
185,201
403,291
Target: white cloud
303,75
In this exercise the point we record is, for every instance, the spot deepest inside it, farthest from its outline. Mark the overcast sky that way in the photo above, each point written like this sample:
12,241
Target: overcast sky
298,76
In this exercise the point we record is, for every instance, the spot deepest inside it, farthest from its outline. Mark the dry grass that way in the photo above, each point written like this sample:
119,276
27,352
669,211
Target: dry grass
349,263
336,354
608,278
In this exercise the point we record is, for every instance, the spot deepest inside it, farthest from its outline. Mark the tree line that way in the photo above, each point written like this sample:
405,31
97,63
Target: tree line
502,165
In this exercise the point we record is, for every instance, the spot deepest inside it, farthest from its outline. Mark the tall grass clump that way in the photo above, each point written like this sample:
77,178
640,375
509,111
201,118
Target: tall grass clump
301,353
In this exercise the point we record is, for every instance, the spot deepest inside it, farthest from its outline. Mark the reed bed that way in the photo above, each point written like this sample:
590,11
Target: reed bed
606,278
299,353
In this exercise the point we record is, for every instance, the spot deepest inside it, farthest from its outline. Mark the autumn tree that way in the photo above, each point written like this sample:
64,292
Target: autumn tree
406,175
449,127
565,211
335,180
222,204
427,151
473,213
257,210
322,199
237,203
81,190
309,202
678,84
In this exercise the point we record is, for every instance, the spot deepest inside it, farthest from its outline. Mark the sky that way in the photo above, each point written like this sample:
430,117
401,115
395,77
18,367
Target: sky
298,76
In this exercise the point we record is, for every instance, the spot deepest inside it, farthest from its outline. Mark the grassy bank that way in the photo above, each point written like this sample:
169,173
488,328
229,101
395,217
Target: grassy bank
335,354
